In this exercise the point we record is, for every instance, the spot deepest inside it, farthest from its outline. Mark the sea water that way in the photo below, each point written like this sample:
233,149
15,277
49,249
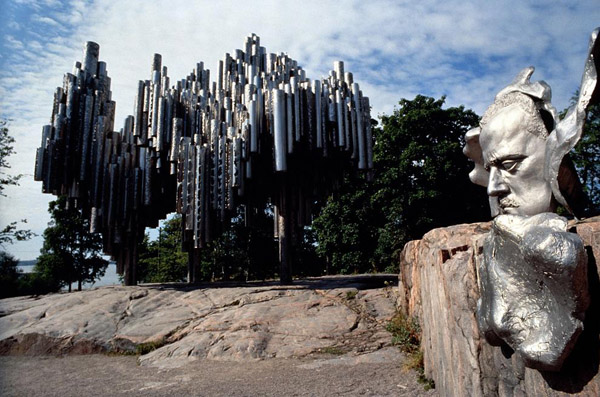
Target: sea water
110,277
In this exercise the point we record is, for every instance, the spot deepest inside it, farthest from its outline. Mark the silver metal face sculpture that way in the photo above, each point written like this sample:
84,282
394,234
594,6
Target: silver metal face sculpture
533,274
514,156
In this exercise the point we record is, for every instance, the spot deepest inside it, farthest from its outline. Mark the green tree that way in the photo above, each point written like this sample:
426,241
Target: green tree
421,173
6,149
13,282
225,257
9,275
420,182
586,156
258,258
347,229
10,232
162,260
243,251
70,252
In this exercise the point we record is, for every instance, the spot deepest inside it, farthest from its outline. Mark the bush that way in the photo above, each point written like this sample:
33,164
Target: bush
9,275
406,335
13,282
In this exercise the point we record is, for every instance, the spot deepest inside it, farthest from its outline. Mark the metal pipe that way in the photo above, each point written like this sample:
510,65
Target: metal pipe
91,53
318,113
360,133
290,118
279,130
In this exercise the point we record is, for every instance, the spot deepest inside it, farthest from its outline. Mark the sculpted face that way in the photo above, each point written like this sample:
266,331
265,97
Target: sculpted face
515,159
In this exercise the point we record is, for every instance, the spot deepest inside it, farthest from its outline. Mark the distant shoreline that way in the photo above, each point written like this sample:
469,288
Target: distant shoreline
110,277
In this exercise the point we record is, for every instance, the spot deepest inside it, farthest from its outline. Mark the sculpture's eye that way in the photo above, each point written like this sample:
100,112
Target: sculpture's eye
510,165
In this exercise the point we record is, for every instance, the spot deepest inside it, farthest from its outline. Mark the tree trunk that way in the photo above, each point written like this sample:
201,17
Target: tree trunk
284,233
78,285
193,265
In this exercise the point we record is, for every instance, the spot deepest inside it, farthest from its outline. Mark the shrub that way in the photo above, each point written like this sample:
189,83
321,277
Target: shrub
406,335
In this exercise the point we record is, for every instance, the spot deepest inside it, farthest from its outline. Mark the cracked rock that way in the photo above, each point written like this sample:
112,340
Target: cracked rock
186,323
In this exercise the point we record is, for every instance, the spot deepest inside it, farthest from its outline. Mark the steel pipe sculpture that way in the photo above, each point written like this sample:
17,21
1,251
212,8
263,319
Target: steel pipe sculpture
533,273
261,132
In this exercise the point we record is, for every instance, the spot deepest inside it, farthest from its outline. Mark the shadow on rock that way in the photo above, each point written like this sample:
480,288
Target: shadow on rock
582,365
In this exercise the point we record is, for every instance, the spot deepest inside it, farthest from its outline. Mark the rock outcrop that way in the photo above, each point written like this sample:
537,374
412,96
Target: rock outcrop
439,285
177,323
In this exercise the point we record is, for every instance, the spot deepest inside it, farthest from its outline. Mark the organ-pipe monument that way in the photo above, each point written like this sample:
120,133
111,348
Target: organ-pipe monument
262,132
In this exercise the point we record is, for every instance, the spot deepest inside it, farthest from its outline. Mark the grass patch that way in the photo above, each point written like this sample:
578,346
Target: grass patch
351,294
147,347
333,350
117,353
406,335
427,383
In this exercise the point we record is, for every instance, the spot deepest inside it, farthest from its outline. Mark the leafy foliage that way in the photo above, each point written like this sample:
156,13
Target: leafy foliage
6,149
346,229
307,263
9,275
421,173
13,282
586,156
162,260
147,347
241,252
406,335
10,232
420,182
70,252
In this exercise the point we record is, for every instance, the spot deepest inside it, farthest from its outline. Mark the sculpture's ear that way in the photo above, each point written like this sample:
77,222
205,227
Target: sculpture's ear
568,132
472,150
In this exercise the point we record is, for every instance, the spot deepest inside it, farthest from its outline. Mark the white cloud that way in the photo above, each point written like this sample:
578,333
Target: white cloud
44,20
13,25
13,43
465,50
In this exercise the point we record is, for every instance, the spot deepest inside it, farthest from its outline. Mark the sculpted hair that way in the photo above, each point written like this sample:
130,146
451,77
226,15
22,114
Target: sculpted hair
535,124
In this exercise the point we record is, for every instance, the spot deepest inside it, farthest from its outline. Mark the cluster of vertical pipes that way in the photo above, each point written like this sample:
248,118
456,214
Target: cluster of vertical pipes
262,132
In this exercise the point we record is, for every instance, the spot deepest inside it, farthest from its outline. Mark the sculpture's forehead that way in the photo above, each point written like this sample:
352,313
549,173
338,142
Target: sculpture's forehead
506,133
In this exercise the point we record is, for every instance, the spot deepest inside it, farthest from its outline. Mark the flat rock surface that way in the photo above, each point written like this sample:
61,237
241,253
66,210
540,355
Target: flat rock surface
323,336
102,375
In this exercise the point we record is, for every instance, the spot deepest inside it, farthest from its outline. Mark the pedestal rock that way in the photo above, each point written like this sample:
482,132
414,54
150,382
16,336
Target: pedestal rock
439,286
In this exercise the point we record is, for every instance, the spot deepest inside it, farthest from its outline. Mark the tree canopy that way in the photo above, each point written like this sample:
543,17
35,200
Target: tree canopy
6,149
241,252
420,182
9,275
10,232
162,260
421,172
586,157
70,252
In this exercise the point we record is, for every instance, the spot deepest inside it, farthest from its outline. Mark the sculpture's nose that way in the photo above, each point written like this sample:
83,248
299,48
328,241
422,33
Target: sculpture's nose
496,184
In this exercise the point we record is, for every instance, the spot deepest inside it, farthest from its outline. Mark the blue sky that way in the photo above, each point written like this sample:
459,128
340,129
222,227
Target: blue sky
465,50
